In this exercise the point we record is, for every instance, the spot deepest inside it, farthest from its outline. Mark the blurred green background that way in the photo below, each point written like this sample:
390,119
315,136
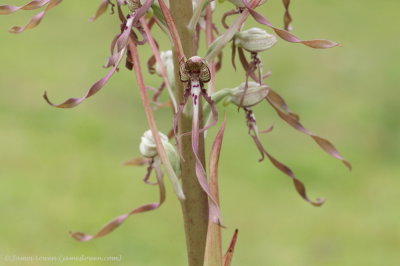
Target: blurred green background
61,169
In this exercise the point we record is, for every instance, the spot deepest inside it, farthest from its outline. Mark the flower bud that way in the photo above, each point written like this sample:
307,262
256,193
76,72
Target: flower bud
255,93
148,146
255,40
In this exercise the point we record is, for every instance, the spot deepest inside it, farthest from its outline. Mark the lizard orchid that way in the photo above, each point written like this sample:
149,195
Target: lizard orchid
195,73
185,77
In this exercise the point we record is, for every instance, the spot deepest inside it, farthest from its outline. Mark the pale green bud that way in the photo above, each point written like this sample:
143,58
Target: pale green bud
148,148
255,40
255,93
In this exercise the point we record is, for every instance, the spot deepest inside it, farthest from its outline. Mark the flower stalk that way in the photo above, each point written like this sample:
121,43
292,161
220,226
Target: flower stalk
195,207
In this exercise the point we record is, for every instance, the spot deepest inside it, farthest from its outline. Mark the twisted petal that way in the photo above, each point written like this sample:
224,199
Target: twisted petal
35,21
72,102
287,19
295,123
287,36
7,9
286,170
113,224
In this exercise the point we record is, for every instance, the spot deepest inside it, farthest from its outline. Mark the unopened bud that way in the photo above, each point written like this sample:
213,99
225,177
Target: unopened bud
255,93
148,148
255,40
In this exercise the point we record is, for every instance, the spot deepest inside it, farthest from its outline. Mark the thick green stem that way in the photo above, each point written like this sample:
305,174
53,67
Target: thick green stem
195,207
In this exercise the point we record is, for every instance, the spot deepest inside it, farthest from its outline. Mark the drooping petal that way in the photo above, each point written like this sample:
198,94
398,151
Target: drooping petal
72,102
286,170
287,36
323,143
35,21
116,222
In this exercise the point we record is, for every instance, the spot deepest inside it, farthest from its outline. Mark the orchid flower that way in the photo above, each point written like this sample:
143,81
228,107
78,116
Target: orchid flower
195,72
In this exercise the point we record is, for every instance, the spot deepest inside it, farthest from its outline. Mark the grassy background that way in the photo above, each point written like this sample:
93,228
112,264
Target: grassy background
61,170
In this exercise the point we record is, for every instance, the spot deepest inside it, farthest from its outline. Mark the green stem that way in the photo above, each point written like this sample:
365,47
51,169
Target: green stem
195,207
